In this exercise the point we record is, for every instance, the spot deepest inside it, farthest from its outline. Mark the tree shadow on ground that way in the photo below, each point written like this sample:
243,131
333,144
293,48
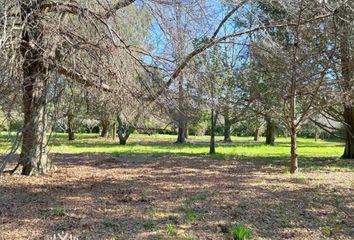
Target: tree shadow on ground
136,197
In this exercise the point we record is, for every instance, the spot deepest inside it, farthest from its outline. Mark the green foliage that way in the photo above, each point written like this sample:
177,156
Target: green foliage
171,230
189,215
57,211
240,232
150,225
154,213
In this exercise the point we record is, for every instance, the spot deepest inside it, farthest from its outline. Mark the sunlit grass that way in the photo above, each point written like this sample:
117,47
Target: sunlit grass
158,145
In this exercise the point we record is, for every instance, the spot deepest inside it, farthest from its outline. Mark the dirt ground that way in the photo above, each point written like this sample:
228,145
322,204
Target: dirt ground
103,197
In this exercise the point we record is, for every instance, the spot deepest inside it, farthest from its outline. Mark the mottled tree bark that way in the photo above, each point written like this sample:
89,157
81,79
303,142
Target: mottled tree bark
124,131
69,130
33,156
271,131
227,128
347,60
349,133
114,131
256,135
105,127
214,117
181,137
293,152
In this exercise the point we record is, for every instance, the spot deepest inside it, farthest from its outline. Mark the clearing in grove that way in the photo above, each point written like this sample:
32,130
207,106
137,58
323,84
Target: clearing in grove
155,189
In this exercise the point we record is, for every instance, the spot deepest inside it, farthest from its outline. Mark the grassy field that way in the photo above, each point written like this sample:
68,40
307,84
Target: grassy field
153,189
311,153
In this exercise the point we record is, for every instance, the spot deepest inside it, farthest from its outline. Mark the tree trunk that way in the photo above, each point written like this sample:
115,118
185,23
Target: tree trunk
212,132
114,131
105,127
186,130
317,134
349,133
181,138
227,128
70,131
33,156
122,141
293,152
124,131
270,132
346,59
256,135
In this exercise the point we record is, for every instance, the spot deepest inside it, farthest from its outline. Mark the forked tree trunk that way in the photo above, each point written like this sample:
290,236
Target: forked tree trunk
33,156
124,131
105,127
70,131
270,132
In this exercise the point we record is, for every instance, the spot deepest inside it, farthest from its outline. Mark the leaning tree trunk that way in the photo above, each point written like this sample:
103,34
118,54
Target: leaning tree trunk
69,130
105,127
270,132
227,128
33,156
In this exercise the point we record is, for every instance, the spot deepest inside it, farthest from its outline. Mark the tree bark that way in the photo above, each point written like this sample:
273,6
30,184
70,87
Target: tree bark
349,133
317,134
124,131
33,156
256,135
114,131
181,138
227,128
346,59
213,119
186,130
70,131
270,132
293,152
105,127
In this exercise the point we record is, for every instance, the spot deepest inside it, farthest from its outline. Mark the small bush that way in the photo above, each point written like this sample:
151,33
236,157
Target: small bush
190,216
240,232
171,230
150,225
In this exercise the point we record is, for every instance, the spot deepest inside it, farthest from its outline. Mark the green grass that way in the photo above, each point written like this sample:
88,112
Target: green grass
158,145
240,232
